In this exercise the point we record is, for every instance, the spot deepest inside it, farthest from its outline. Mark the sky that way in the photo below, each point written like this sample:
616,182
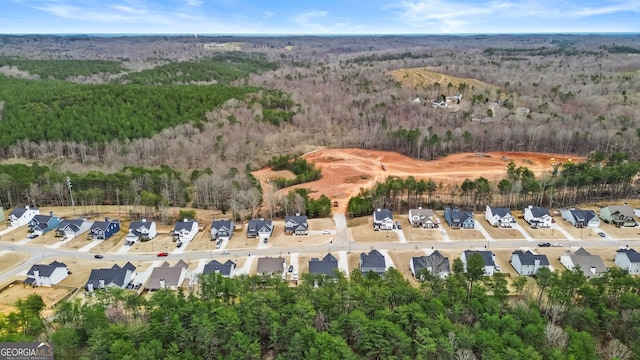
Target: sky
269,17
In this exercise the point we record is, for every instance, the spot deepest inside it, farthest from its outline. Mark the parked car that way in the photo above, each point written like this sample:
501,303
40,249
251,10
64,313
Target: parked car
295,275
544,244
33,236
497,267
179,244
226,252
555,244
326,232
137,286
98,256
164,253
602,234
290,268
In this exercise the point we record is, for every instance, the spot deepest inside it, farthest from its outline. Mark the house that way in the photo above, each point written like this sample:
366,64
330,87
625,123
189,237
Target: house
46,275
102,230
528,263
580,218
221,229
141,230
373,261
167,277
487,256
1,213
228,269
537,216
296,224
499,217
22,216
271,266
185,230
42,224
422,217
459,219
69,229
628,259
115,276
259,228
590,265
636,212
435,263
326,267
382,219
618,215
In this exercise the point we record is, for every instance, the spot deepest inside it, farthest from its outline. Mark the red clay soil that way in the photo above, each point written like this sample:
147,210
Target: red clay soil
346,171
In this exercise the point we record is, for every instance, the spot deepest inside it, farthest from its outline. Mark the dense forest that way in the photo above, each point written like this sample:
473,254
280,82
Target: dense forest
466,316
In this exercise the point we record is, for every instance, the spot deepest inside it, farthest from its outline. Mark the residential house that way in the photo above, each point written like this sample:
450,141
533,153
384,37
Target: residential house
222,229
436,264
115,276
628,259
42,224
373,261
459,219
228,269
326,267
260,228
22,216
382,219
618,215
537,216
422,217
185,230
636,212
499,217
141,230
102,230
167,277
271,266
46,275
296,224
591,265
528,263
69,229
487,256
1,213
580,218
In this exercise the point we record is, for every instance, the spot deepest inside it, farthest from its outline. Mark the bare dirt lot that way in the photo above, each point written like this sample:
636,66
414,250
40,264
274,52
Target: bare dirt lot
424,77
464,234
9,260
501,233
346,171
50,295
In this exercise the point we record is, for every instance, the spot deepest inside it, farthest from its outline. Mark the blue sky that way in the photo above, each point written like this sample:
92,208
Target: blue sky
317,17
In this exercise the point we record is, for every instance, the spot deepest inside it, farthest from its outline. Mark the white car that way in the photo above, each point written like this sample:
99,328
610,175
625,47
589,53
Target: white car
226,252
326,232
295,275
443,232
555,244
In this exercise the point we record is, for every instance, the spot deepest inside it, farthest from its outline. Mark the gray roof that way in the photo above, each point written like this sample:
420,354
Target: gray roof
270,265
298,219
257,224
46,270
74,225
587,263
487,256
326,266
224,269
436,262
170,275
374,259
381,214
135,227
625,210
116,275
184,225
500,211
41,221
17,212
583,215
529,258
221,224
103,225
539,212
459,216
633,256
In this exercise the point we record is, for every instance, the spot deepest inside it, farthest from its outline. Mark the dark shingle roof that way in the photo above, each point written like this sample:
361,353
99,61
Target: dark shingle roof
631,254
529,258
538,211
381,214
436,261
46,270
583,215
135,227
487,256
115,275
224,269
184,225
221,224
102,225
374,259
17,212
257,224
327,265
74,225
502,212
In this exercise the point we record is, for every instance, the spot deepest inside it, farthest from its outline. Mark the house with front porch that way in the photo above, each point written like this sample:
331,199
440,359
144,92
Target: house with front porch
102,230
259,228
628,259
22,216
618,215
221,229
580,218
422,217
139,230
528,263
382,219
185,230
458,219
296,224
69,229
537,216
46,275
499,217
42,224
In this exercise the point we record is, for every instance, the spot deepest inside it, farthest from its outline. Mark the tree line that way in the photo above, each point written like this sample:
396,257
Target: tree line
467,315
62,69
304,172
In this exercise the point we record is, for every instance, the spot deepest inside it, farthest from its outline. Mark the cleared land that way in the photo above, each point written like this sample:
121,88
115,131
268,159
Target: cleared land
501,233
9,260
464,234
427,76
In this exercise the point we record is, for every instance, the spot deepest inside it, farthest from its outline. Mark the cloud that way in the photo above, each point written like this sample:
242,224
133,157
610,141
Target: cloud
194,3
309,22
267,15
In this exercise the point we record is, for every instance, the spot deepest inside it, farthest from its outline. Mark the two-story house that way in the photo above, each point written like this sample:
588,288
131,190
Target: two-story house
422,217
628,259
185,230
70,229
537,216
139,230
22,216
528,263
102,230
499,217
259,228
382,219
221,229
115,276
487,256
42,224
435,263
618,215
459,219
580,218
46,275
296,224
374,262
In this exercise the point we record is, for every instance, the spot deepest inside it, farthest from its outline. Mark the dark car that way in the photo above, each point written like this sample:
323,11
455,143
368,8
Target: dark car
33,236
544,244
290,268
602,234
98,256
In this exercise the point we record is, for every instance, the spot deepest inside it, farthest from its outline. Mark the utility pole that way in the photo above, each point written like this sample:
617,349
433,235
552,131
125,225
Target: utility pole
73,205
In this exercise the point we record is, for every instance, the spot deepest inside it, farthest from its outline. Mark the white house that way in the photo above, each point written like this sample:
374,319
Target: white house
382,219
537,216
581,218
487,256
141,230
499,217
69,229
628,259
591,265
22,216
528,263
46,275
260,228
185,230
